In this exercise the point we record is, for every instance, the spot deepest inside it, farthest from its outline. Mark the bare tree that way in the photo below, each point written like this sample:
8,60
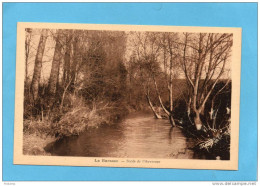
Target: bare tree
164,51
160,53
170,50
38,64
204,61
145,53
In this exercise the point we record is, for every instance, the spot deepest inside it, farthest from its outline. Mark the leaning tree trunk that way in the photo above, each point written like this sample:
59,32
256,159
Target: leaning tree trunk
172,121
157,116
159,98
55,67
169,114
38,65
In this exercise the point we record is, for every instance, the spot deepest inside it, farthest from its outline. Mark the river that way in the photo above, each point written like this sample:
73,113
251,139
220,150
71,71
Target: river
137,136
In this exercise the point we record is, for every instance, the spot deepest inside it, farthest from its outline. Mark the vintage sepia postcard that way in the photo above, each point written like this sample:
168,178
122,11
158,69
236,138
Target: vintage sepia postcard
127,96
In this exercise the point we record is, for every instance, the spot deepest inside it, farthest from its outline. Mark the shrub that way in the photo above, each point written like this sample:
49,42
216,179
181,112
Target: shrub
81,116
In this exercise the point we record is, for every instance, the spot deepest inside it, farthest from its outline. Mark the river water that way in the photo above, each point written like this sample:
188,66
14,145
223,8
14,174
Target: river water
137,136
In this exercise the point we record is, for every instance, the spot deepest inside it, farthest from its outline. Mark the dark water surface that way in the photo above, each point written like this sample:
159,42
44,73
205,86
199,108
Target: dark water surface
137,136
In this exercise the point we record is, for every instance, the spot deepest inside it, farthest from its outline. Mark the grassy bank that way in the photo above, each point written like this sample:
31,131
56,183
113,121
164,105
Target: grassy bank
40,133
34,144
36,135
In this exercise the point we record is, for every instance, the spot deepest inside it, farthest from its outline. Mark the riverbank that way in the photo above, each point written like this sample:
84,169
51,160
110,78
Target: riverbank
36,135
40,133
34,144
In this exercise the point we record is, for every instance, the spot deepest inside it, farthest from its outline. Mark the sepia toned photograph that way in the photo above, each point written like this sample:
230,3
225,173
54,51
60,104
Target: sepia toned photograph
127,96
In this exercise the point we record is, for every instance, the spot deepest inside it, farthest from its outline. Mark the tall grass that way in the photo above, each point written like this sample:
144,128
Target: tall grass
75,117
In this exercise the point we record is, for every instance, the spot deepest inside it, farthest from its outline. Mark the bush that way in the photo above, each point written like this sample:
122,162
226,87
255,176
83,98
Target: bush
81,116
75,121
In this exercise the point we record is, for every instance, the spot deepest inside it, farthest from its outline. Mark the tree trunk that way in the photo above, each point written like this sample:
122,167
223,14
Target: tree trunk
38,64
197,120
67,59
63,96
27,46
55,66
28,39
159,97
172,121
75,61
157,116
170,95
66,67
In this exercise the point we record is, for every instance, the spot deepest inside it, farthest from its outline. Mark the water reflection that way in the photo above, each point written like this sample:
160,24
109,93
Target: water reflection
138,136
